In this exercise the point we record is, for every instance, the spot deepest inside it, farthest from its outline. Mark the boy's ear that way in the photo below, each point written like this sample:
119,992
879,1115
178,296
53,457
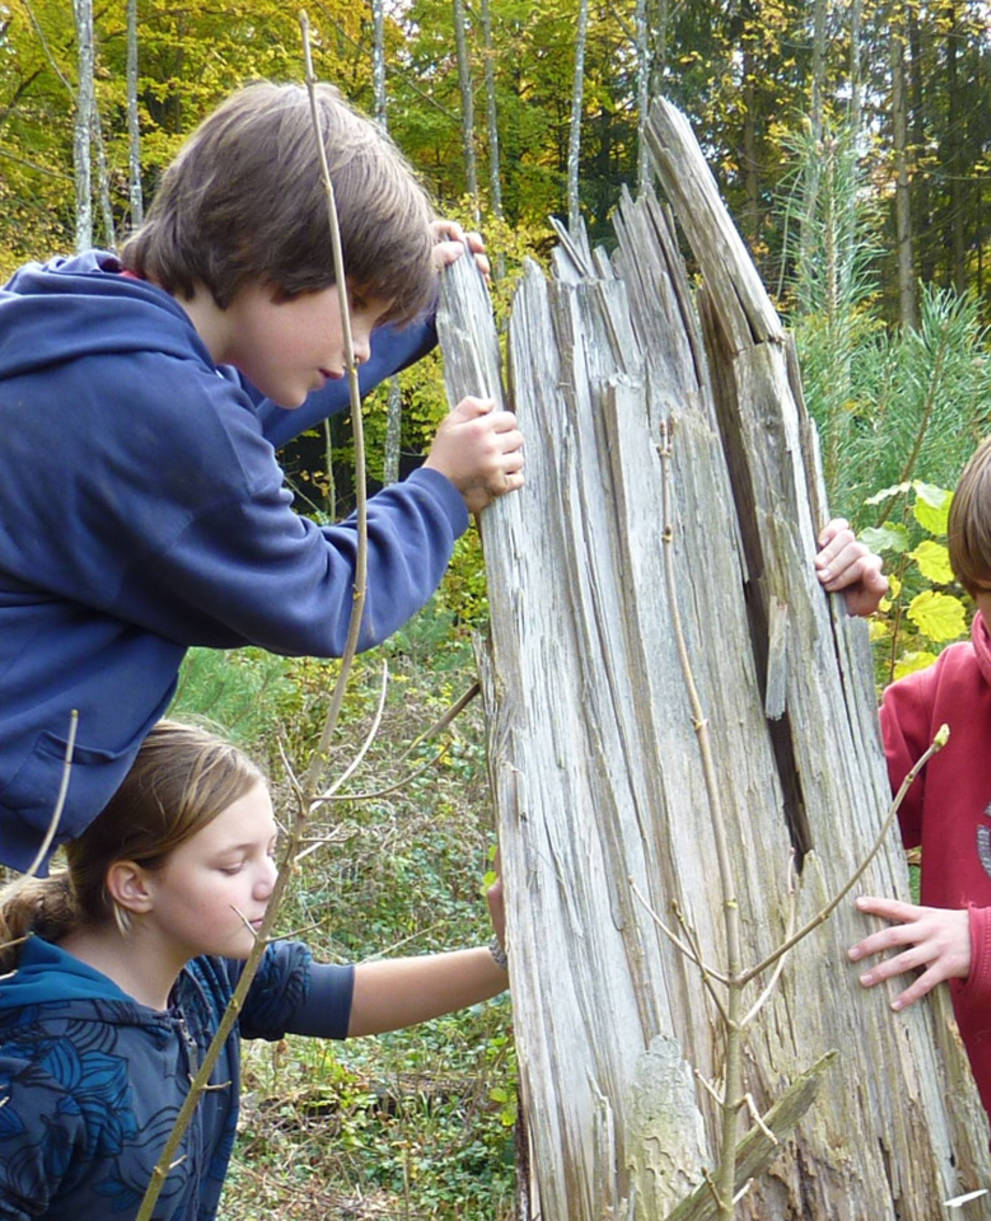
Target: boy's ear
129,886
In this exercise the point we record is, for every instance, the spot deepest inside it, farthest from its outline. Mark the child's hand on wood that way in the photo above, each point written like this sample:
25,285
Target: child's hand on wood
933,940
845,565
451,241
480,450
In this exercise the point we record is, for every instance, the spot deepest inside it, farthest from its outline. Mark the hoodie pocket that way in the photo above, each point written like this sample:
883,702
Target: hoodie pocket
94,776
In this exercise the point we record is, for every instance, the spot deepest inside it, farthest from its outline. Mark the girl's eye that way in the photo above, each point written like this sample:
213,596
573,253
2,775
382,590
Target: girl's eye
231,870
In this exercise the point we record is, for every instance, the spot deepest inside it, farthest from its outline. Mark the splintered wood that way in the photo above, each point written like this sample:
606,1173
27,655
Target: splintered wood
664,427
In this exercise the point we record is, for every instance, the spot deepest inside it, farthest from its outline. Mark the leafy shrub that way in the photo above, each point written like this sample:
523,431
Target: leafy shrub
925,609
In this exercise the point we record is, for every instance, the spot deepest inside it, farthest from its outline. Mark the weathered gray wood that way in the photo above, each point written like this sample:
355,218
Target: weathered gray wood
602,805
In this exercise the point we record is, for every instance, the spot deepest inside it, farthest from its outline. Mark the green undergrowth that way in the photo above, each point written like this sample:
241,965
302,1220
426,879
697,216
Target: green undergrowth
417,1124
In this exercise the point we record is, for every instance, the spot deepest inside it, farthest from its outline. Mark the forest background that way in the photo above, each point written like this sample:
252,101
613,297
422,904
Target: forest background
851,140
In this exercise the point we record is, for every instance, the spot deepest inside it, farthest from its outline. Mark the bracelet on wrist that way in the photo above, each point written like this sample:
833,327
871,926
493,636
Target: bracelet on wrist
498,952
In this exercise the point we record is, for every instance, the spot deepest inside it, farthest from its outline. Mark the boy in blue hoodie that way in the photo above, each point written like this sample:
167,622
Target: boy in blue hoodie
142,510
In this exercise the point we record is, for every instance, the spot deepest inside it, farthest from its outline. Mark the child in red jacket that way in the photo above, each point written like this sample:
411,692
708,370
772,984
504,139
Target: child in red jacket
947,810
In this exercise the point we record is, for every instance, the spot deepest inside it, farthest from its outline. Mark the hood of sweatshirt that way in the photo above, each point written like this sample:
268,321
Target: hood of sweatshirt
48,975
981,639
73,307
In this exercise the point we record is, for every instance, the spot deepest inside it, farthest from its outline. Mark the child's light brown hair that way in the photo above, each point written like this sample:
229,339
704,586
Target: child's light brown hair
969,525
245,202
182,778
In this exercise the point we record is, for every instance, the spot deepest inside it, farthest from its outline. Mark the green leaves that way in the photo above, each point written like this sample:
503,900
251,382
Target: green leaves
925,609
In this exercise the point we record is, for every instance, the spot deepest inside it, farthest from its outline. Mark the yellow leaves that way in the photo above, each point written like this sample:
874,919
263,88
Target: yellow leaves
940,617
932,507
908,663
933,560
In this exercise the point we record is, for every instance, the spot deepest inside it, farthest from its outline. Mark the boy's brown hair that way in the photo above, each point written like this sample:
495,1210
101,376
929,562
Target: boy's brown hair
244,202
969,525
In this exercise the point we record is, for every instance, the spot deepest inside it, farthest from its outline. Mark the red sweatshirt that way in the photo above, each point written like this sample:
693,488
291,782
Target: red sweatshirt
948,811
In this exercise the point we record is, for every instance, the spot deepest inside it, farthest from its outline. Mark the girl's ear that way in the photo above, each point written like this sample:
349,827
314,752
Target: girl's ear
129,886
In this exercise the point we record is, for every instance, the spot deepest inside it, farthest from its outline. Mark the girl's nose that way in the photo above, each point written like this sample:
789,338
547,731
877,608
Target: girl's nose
266,880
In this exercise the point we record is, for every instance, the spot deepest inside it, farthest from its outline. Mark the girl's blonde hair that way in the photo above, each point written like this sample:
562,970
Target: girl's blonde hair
182,778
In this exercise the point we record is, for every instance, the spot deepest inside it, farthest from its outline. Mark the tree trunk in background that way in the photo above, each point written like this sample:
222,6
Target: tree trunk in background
394,402
642,51
856,72
82,11
577,108
813,166
751,176
953,157
135,191
467,108
491,110
919,106
660,436
907,312
103,179
659,58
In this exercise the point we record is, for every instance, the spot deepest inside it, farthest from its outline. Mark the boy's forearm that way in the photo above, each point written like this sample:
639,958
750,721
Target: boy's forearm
393,993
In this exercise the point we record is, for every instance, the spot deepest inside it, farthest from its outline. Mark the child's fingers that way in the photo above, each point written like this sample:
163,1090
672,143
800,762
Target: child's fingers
908,960
472,407
917,990
889,909
834,535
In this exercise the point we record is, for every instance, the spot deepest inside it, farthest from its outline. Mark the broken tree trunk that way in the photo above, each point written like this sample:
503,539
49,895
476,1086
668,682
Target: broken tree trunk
663,429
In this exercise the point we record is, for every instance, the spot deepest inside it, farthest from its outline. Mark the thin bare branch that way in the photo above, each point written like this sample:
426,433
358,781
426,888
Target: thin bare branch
56,818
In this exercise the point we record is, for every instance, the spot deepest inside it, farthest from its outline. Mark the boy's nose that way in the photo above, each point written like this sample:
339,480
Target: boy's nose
362,346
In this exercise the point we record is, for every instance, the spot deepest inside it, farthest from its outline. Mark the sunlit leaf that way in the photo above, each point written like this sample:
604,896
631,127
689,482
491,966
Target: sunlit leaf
890,537
908,663
933,560
897,489
938,616
932,507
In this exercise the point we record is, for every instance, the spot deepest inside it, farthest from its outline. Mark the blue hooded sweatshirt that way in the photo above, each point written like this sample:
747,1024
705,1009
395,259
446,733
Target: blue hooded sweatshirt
91,1080
142,511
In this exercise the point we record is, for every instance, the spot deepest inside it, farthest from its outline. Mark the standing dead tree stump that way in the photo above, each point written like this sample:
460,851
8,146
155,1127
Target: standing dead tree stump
647,406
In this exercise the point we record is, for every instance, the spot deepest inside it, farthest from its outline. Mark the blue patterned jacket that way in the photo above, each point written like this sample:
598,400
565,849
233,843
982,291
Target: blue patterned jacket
91,1081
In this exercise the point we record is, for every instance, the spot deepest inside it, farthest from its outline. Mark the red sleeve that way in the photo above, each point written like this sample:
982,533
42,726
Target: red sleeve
906,726
976,988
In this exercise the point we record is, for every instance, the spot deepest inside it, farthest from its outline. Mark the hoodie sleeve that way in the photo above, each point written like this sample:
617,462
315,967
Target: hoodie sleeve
976,988
906,726
291,994
253,571
216,554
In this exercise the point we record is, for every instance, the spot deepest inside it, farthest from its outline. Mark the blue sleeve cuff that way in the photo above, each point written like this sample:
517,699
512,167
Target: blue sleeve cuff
326,1010
444,491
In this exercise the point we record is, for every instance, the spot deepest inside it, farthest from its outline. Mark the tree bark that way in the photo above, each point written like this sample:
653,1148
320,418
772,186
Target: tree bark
575,127
642,52
491,111
467,108
907,308
661,435
83,126
394,401
135,191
